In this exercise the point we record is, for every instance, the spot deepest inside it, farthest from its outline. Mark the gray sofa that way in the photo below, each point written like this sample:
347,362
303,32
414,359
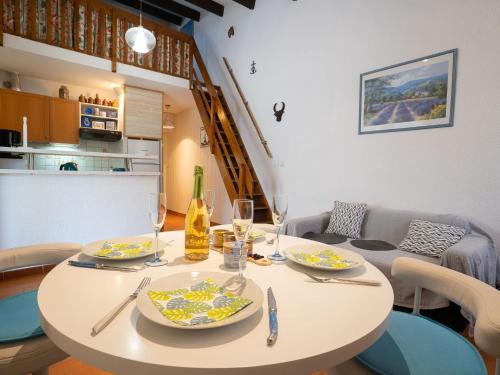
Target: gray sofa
474,255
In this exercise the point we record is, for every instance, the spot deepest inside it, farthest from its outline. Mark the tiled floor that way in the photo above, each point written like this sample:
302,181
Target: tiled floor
72,366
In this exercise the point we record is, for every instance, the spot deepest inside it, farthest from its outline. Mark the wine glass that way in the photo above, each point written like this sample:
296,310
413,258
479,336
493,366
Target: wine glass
280,209
242,225
210,201
157,211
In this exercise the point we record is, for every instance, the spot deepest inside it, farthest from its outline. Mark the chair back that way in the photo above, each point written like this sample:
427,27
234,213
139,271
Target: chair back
478,298
27,256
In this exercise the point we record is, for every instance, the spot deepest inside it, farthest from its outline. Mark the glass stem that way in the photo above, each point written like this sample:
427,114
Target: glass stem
276,251
240,261
156,243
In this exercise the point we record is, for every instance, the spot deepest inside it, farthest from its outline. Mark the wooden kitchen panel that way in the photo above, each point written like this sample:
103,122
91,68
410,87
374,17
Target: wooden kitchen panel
15,105
143,113
64,122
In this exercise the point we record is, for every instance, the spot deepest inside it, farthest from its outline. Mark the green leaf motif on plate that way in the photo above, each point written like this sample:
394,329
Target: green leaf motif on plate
159,296
179,314
177,303
197,296
198,307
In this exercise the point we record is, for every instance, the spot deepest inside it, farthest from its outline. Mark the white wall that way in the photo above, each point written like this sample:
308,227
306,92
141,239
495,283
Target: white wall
72,208
183,152
310,54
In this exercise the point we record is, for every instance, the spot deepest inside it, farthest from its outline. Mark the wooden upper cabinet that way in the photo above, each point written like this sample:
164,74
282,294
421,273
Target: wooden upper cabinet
15,105
143,113
64,121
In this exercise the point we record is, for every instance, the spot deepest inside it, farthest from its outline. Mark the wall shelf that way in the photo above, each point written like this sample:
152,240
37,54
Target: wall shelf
35,151
100,106
100,117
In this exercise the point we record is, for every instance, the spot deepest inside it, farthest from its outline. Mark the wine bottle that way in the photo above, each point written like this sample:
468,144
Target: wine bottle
197,222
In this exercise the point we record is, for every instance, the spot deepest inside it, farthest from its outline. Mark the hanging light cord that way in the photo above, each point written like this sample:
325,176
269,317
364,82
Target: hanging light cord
140,13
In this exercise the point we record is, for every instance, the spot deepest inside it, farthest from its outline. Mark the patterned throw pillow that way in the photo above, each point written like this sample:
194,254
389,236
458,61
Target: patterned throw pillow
346,219
432,239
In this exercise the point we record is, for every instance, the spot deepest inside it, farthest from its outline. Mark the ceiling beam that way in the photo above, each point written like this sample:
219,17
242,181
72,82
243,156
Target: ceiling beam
175,7
250,4
153,11
209,5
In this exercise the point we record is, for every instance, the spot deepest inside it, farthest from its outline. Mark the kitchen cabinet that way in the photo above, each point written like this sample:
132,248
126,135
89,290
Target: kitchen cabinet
64,126
143,113
15,105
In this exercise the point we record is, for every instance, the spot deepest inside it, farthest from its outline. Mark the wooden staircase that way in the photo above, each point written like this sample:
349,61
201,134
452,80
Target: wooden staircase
226,143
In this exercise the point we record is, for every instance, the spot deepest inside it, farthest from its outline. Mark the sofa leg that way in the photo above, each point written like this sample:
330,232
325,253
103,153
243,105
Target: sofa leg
42,371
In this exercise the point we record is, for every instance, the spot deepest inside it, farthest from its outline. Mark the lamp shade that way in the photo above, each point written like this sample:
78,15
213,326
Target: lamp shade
141,40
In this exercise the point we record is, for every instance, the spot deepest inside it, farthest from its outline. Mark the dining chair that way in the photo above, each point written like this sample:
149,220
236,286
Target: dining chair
415,345
34,352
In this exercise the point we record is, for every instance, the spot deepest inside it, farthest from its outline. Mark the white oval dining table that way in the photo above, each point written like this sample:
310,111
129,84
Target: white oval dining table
320,325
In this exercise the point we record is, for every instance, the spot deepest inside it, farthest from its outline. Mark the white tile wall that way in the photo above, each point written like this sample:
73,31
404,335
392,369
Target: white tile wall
52,162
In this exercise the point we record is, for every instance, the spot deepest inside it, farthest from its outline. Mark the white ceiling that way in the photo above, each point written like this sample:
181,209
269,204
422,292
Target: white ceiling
24,56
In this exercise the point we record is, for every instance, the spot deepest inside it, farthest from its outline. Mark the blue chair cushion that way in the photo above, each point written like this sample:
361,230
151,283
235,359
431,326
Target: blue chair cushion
415,345
19,317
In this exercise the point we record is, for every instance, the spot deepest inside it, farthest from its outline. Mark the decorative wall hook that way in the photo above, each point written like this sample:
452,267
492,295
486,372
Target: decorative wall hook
252,69
279,113
230,32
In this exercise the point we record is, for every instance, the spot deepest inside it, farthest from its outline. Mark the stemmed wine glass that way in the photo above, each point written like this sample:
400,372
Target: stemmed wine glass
157,203
242,226
280,210
210,201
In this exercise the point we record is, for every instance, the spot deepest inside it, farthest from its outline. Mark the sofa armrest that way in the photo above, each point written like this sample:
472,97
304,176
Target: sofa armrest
473,255
26,256
316,224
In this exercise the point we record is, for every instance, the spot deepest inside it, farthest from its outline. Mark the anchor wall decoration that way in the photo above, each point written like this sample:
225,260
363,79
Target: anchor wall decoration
279,113
252,69
230,32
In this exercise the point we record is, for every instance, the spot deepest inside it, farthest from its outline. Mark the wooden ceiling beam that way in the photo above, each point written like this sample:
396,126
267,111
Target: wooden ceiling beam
250,4
209,5
175,7
153,11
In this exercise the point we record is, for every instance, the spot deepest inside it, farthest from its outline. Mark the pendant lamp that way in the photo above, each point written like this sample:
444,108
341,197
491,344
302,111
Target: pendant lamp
138,38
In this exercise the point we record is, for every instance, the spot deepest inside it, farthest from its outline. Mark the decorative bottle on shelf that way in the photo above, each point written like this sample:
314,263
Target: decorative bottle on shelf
197,222
97,100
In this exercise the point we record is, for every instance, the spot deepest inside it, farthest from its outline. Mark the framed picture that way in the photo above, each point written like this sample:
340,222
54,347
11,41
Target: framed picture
417,94
203,137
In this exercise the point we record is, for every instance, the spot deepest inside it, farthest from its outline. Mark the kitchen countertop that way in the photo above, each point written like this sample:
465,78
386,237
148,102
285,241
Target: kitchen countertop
76,173
30,150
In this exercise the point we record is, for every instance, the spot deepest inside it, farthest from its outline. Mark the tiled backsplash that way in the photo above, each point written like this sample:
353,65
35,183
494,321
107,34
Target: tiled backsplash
52,162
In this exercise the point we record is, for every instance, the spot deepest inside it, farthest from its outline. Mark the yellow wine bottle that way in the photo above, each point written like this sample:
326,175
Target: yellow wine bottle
197,222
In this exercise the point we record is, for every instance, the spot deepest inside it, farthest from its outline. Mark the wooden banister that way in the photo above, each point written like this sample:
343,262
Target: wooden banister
90,29
247,106
241,173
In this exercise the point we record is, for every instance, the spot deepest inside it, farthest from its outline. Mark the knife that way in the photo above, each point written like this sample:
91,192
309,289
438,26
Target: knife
100,266
273,317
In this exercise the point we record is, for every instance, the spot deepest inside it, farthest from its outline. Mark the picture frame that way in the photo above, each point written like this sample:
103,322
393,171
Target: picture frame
203,137
415,94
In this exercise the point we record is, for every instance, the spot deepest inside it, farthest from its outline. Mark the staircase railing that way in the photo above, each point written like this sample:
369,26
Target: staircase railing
97,29
207,96
249,110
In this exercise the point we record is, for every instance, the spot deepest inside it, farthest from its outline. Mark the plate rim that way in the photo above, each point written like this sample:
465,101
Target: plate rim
161,245
287,254
257,305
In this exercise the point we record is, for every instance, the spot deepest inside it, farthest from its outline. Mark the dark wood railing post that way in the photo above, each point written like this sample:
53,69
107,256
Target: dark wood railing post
114,44
17,24
1,23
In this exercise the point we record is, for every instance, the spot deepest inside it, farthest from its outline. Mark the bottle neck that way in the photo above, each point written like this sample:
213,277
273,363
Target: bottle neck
198,187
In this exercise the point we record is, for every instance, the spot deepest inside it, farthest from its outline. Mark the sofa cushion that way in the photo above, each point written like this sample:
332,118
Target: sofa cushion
432,239
19,317
347,219
392,225
328,238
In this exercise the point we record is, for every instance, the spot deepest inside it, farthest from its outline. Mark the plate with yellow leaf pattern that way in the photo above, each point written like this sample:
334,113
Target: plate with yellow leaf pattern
124,248
324,257
199,300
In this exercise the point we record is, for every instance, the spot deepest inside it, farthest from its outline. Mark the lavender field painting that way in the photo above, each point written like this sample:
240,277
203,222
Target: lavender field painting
413,95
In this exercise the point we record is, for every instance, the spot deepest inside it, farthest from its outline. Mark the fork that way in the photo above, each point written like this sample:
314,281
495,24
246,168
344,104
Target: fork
103,323
340,280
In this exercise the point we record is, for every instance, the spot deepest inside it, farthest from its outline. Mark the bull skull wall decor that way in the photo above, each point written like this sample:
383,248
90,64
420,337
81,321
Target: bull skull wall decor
230,32
279,113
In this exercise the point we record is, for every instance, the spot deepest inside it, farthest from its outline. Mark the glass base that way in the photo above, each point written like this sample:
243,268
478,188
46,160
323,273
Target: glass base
277,257
155,262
